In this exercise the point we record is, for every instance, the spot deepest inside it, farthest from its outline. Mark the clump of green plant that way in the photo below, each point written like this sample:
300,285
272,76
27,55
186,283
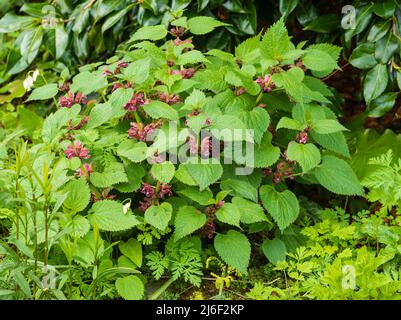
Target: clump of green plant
109,178
384,182
344,257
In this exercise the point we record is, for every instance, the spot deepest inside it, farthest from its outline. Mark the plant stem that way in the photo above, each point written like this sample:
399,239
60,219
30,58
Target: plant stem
138,120
163,288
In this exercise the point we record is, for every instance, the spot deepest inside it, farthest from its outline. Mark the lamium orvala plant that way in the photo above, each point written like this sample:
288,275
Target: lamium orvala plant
164,154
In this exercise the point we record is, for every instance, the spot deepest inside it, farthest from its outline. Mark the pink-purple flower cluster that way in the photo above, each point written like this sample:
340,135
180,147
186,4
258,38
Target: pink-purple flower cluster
185,73
77,149
71,99
302,137
177,31
169,98
150,194
284,169
178,42
86,172
137,100
120,85
83,122
117,70
265,83
210,228
142,133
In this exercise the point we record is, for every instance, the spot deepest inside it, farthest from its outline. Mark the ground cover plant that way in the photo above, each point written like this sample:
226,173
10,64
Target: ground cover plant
178,170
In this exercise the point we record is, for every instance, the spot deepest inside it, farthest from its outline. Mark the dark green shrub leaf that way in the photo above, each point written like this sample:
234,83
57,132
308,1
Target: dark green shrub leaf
234,248
109,216
130,288
43,93
159,215
337,176
282,206
188,220
275,250
307,155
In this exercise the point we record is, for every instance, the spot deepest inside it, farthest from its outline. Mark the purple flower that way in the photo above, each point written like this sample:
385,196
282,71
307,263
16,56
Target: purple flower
69,100
206,147
165,191
148,190
77,150
302,137
265,83
70,151
137,100
88,170
142,134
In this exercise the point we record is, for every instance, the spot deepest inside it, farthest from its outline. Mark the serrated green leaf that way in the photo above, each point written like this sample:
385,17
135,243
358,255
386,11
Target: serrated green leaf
135,173
191,57
234,248
149,33
87,82
258,120
289,123
159,216
324,126
138,71
229,214
204,197
307,155
275,250
265,154
337,176
158,109
241,188
188,220
133,250
133,151
109,216
163,172
333,141
130,288
203,24
247,46
276,42
282,206
99,114
204,174
78,196
44,92
79,226
250,212
318,60
113,173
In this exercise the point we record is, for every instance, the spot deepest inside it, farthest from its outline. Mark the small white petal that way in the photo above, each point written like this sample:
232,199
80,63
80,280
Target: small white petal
35,74
126,207
28,82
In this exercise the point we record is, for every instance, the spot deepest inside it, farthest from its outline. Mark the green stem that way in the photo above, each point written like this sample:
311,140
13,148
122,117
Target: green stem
222,283
163,288
138,120
260,96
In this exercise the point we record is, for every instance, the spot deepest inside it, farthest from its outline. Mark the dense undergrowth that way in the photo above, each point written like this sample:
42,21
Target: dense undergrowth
177,168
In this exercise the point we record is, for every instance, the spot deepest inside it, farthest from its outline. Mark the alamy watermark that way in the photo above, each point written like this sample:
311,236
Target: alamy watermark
349,277
348,20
